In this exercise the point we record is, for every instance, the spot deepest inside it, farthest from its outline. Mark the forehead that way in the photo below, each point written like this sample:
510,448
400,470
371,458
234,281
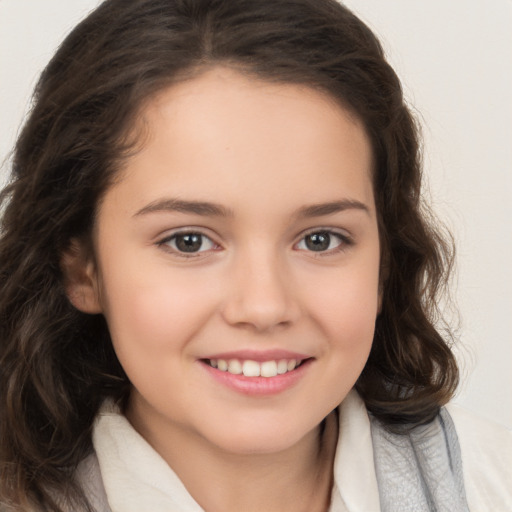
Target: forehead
225,134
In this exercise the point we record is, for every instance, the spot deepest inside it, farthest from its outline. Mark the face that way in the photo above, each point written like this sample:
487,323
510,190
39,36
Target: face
237,262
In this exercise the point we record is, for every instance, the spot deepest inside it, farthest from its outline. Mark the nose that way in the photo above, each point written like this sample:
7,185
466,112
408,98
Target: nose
260,294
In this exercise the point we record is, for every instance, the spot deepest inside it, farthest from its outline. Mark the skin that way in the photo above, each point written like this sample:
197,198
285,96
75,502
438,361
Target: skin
264,153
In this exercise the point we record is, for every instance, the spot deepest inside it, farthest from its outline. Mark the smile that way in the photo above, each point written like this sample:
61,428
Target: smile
250,368
256,373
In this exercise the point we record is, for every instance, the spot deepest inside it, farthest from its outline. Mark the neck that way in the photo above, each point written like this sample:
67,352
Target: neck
298,478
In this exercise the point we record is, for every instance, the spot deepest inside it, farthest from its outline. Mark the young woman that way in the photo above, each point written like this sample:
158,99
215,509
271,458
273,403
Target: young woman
218,282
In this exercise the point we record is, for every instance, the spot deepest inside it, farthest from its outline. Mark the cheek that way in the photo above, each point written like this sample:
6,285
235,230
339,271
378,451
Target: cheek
149,314
345,304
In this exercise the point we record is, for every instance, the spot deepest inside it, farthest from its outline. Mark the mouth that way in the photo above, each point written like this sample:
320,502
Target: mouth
258,373
251,368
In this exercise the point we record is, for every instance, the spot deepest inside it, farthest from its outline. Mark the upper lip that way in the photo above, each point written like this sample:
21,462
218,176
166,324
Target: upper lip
258,355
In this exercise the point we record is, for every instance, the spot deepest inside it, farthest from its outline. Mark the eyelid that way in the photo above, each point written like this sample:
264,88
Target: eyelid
346,239
163,241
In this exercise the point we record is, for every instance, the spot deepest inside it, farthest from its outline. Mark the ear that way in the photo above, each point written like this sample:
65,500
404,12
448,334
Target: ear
80,278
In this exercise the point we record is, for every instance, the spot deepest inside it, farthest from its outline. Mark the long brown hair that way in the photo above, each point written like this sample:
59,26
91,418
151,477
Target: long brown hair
57,364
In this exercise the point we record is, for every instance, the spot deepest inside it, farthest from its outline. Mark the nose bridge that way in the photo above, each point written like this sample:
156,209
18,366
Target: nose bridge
260,292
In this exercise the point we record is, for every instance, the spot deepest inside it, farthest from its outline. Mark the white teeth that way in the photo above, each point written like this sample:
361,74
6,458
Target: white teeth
282,366
235,367
254,369
269,369
251,369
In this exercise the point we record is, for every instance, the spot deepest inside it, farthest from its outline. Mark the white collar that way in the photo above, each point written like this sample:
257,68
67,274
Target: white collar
136,478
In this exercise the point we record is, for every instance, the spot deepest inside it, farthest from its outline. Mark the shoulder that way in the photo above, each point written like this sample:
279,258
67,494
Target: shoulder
486,450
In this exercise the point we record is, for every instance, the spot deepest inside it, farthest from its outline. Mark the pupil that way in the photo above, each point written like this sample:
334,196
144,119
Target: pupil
318,241
189,243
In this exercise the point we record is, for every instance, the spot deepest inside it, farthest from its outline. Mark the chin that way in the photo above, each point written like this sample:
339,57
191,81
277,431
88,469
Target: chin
259,438
257,445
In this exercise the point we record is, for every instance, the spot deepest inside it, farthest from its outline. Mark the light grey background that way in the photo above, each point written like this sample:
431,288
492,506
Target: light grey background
455,60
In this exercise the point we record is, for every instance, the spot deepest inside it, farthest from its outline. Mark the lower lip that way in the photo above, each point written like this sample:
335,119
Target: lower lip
259,386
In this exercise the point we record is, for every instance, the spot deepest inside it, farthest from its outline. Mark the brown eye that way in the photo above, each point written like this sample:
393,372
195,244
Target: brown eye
188,242
322,241
318,241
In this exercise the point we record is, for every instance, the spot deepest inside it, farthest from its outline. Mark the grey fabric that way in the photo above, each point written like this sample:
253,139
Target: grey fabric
419,471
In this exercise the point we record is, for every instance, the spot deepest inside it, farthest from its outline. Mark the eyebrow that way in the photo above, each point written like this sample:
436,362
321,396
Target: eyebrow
208,209
202,208
321,209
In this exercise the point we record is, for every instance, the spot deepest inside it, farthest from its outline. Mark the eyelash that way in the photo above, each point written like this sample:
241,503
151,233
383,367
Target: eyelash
345,241
169,242
166,242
